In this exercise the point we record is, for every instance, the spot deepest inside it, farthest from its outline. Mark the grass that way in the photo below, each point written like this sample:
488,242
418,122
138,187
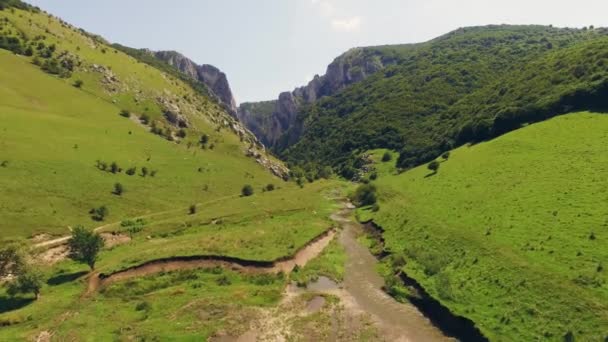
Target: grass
510,233
329,264
186,305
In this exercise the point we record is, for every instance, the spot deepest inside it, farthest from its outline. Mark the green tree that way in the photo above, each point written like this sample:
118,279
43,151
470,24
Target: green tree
446,155
29,281
85,245
192,209
269,187
78,83
364,195
433,166
118,189
12,260
114,168
386,157
247,190
125,113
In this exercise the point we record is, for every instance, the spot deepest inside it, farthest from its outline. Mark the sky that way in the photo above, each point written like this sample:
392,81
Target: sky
270,46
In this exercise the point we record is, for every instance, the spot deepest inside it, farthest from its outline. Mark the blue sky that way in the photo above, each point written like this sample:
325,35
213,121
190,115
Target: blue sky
269,46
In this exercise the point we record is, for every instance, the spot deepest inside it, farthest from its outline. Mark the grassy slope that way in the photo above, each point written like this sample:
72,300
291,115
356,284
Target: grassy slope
52,134
502,234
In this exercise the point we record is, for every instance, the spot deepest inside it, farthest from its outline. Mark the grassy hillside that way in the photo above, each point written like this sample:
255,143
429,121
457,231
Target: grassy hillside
430,100
55,136
511,233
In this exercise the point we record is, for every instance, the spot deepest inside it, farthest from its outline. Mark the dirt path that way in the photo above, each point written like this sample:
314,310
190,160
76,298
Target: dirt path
64,239
303,256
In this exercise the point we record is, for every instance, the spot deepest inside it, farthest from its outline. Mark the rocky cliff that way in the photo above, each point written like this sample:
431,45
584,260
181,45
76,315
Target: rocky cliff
209,75
270,120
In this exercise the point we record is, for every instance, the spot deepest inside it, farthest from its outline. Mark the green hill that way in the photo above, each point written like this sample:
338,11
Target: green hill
511,233
57,134
469,85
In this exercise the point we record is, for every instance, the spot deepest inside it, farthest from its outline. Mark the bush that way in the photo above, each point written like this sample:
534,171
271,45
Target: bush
445,155
99,214
144,171
269,187
181,133
247,190
433,166
192,209
131,171
386,157
78,83
118,189
114,168
142,306
144,119
125,113
373,176
364,195
223,280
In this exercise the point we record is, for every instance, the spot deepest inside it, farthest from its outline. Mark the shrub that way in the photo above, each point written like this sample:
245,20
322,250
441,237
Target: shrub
181,133
144,171
373,176
114,168
142,306
386,157
131,171
4,163
433,166
78,83
118,189
125,113
223,280
247,190
445,155
153,173
364,195
144,119
84,245
99,214
269,187
192,209
204,140
12,260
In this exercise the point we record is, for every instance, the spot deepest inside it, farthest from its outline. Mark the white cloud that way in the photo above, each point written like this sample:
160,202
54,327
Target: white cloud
346,25
328,9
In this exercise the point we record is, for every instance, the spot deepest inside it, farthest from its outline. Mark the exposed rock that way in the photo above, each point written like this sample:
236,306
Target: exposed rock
212,77
270,124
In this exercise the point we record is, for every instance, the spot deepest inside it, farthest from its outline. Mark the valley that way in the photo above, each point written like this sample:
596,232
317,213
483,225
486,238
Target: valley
448,190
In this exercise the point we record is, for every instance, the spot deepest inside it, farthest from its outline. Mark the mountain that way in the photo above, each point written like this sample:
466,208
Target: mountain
207,79
269,120
206,74
426,98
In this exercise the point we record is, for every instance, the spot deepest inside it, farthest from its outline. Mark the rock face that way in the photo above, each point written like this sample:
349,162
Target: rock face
351,67
209,75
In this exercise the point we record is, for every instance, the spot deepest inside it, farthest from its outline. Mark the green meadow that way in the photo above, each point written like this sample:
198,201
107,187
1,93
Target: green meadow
511,233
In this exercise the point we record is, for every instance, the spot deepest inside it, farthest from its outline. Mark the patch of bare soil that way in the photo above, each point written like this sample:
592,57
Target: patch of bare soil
38,238
53,255
114,239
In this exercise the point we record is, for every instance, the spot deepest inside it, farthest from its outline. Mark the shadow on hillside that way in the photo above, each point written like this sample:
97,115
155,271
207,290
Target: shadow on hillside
430,174
65,278
13,303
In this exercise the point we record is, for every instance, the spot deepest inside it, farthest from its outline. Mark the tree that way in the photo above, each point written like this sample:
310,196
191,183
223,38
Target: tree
125,113
29,281
433,166
247,190
132,171
181,133
386,157
192,209
204,140
269,187
118,189
12,260
446,155
78,83
364,195
144,119
84,246
144,171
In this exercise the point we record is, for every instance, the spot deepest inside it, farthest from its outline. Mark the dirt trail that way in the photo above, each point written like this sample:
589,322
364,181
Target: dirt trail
64,239
303,256
398,322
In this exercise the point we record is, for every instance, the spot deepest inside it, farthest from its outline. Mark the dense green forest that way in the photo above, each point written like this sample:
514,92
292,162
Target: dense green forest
466,86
